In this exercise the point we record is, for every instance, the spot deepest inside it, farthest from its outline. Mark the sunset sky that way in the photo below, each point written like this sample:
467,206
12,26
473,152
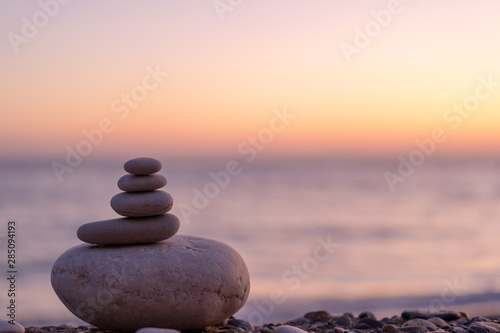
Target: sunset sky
230,66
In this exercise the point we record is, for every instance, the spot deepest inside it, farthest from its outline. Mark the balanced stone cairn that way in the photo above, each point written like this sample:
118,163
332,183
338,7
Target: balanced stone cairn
145,206
136,272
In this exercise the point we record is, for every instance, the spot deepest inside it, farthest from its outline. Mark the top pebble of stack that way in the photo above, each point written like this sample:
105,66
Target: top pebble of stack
142,166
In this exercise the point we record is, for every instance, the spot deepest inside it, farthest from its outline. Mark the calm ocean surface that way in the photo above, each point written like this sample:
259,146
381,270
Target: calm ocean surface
432,243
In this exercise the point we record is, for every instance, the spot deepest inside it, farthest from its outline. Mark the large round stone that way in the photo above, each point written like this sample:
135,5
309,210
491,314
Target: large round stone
182,283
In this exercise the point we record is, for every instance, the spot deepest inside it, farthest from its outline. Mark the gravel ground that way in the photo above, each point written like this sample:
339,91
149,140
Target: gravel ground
323,321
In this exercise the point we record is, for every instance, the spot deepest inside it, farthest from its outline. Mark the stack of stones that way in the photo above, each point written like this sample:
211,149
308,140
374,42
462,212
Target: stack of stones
136,272
143,206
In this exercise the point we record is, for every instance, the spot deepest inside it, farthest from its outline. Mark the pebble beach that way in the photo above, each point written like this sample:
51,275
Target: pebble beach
323,321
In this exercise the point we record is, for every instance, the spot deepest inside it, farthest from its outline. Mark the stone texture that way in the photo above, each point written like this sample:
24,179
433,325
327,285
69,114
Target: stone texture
315,316
263,329
241,324
142,166
6,327
458,330
370,322
437,321
389,328
288,329
420,322
489,326
448,315
156,330
345,321
67,326
141,204
362,326
367,314
397,319
418,329
123,231
298,321
478,329
478,319
182,283
133,183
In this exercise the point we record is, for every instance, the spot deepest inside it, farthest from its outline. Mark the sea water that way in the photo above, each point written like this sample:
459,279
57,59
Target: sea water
315,233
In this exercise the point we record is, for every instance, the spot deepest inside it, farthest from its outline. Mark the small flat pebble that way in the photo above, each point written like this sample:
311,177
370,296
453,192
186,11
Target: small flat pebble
366,314
490,326
478,318
133,183
142,166
389,328
124,231
315,316
141,204
156,330
421,322
397,319
458,330
445,315
419,329
370,322
439,322
288,329
298,321
345,321
478,329
362,326
6,327
241,324
67,325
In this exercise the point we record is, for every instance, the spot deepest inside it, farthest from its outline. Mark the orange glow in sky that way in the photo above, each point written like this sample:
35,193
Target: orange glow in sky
184,78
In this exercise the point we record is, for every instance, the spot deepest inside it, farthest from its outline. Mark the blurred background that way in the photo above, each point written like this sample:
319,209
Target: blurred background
372,125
